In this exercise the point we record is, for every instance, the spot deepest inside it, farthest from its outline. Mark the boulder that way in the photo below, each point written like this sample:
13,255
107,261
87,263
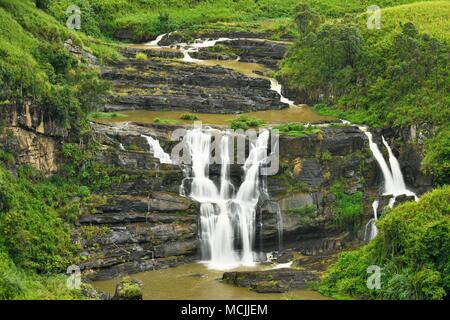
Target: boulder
129,289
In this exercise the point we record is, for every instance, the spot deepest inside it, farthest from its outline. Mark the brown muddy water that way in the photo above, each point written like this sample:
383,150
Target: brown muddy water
196,282
301,114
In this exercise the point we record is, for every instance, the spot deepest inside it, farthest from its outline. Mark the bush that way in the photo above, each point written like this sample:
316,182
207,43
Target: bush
437,157
412,248
298,129
189,116
348,207
141,56
245,122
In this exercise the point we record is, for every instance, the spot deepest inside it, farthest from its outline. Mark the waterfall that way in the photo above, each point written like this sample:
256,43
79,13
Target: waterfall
371,227
227,217
156,42
157,151
276,86
188,48
394,183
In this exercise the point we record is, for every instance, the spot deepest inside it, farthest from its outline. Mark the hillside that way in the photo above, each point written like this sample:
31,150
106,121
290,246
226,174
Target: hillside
412,249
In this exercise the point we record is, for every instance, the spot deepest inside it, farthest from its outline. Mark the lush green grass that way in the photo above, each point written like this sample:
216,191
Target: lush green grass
412,248
348,208
245,122
394,76
298,129
106,115
36,67
166,121
189,116
35,237
147,19
338,8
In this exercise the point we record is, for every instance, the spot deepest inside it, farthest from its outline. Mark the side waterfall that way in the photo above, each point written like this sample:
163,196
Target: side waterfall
394,183
157,151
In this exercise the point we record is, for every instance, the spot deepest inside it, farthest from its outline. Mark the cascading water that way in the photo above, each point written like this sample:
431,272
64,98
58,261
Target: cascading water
157,151
394,183
227,218
156,42
188,48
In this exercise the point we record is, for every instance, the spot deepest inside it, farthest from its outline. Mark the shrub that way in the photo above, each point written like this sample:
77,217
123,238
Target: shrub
141,56
245,122
412,248
298,129
189,116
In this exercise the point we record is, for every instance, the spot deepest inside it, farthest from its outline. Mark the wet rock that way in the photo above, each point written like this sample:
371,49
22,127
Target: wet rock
129,289
161,84
279,280
403,198
80,52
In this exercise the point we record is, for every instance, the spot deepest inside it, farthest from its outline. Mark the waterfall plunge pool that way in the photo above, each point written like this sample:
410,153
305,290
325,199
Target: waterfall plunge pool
195,281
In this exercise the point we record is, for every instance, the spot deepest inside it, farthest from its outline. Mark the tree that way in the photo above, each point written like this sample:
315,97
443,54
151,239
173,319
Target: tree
42,4
307,19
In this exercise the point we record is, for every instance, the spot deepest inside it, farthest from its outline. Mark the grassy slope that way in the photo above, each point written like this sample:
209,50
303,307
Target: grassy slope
412,248
142,17
36,214
429,16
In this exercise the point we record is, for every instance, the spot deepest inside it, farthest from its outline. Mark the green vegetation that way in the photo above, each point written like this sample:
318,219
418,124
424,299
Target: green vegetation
348,207
35,233
141,56
166,121
437,156
394,76
189,116
130,290
106,115
246,122
298,129
305,214
149,18
412,248
35,66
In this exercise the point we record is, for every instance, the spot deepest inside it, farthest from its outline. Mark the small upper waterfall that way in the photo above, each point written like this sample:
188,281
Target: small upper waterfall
156,41
157,151
227,215
276,86
188,48
394,183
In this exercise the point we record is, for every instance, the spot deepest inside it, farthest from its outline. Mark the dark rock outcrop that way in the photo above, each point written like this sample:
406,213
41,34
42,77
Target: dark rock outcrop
165,84
271,281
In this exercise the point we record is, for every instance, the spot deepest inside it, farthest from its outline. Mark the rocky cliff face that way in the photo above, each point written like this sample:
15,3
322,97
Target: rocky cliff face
144,223
162,83
31,135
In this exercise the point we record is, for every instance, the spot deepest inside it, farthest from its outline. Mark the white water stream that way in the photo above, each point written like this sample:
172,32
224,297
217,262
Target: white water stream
228,216
157,151
188,48
394,183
